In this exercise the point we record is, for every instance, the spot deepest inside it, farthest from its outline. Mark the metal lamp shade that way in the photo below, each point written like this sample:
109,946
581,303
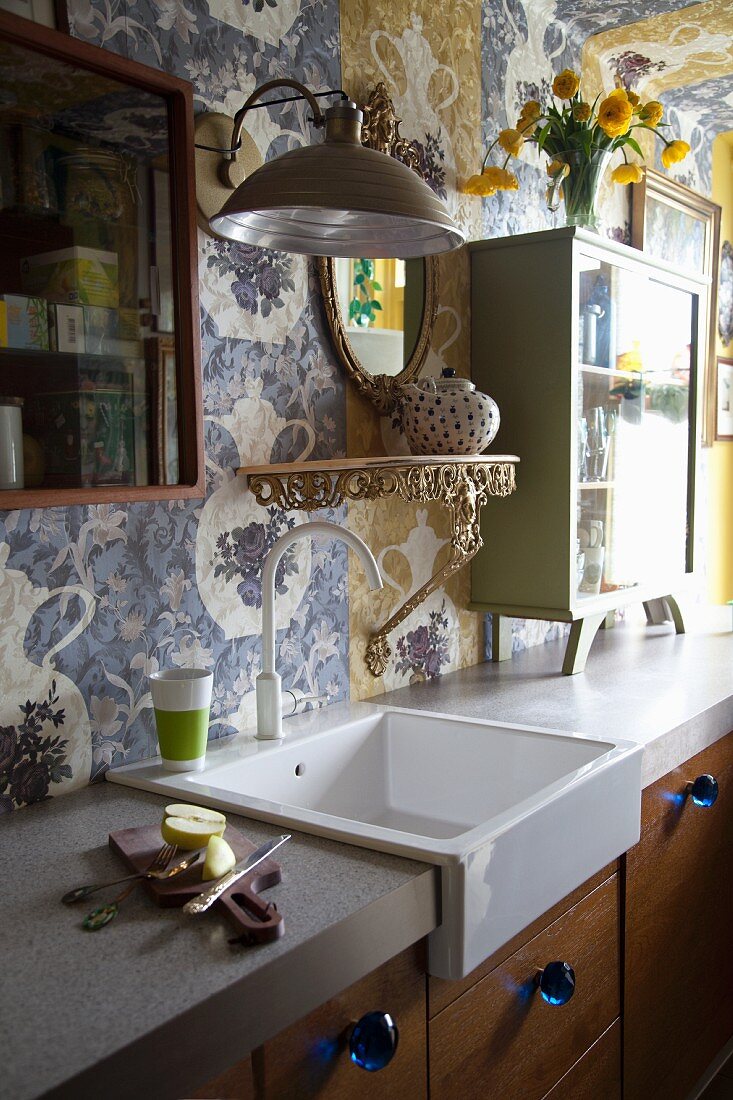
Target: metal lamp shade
338,198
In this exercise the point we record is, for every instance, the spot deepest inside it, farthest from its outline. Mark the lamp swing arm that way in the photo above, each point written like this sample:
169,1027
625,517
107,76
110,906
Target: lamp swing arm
230,152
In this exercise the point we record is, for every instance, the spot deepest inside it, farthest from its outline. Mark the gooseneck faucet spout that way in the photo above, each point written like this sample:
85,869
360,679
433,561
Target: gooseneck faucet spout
268,685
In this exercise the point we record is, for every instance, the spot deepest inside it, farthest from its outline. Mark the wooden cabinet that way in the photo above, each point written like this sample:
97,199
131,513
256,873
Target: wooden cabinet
311,1058
502,1039
666,923
678,1004
597,387
597,1075
99,313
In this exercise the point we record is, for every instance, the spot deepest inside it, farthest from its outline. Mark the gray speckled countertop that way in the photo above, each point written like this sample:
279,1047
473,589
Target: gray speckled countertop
75,1003
157,1004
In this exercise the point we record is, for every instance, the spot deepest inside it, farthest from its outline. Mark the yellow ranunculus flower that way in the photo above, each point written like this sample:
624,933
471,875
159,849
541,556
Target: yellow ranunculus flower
615,114
529,117
652,112
511,141
501,179
477,185
627,173
582,112
633,99
557,168
674,153
566,84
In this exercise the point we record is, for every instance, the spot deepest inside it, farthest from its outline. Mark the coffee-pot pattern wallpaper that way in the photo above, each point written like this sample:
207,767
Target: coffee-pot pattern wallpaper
92,599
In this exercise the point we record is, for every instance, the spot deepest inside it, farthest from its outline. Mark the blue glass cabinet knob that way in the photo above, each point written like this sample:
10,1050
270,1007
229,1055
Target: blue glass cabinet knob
373,1041
557,983
704,790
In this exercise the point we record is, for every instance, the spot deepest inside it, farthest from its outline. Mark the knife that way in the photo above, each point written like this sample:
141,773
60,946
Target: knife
204,901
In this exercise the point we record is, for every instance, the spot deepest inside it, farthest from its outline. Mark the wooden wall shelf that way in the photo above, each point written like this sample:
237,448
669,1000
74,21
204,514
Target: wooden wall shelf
463,483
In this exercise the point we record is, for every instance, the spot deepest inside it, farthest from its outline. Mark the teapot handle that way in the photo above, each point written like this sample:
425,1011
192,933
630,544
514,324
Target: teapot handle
89,600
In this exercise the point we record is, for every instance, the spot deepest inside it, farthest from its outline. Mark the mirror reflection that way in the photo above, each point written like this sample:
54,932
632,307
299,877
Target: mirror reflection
381,302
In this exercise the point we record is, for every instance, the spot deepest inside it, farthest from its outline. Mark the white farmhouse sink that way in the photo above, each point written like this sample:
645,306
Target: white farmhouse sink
515,816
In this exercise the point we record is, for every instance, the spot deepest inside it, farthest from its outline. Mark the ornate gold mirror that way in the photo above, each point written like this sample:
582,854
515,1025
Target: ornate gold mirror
381,311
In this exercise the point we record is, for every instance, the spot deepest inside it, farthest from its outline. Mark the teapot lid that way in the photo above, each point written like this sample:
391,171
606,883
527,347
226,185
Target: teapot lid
449,381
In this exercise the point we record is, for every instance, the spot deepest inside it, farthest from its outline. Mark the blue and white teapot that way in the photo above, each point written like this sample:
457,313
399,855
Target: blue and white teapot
448,416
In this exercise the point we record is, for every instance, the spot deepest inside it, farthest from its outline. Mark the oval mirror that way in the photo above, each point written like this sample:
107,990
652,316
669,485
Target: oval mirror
381,314
381,311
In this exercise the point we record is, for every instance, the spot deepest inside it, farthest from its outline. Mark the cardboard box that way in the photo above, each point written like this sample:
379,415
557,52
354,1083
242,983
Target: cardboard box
103,332
88,432
65,328
76,276
23,322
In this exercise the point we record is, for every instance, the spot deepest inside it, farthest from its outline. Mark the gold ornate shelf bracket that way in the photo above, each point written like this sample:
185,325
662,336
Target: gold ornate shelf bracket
463,485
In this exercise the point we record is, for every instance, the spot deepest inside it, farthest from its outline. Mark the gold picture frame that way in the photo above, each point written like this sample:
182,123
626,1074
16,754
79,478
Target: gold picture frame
673,223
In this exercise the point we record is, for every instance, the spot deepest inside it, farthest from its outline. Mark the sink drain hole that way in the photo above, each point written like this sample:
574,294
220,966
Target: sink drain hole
300,769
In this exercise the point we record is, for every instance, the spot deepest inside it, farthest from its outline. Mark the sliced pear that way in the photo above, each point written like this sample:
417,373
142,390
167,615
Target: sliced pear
191,826
219,859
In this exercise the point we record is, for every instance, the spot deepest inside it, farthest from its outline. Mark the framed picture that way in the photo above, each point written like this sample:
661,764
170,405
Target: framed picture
724,403
725,294
673,223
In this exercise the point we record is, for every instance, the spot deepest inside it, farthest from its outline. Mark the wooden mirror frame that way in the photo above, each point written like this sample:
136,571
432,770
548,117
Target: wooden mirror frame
178,96
380,131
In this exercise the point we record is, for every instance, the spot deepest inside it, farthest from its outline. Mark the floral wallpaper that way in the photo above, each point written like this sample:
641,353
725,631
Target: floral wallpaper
92,599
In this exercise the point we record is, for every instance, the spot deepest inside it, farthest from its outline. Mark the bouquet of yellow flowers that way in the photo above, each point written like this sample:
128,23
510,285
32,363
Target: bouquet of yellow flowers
579,139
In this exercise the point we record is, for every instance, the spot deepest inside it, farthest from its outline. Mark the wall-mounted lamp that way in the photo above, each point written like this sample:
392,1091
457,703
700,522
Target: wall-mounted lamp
336,198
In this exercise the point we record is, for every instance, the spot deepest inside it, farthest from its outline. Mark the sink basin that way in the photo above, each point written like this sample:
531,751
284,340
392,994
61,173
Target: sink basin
516,816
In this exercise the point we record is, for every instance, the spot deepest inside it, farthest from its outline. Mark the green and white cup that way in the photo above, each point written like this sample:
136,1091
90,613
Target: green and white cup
181,699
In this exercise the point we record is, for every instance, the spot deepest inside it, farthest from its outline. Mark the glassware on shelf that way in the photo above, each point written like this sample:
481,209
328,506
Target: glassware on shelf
95,182
582,448
600,421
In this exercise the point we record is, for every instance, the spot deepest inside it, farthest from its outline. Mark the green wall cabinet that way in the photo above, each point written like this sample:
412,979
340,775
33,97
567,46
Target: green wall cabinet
593,353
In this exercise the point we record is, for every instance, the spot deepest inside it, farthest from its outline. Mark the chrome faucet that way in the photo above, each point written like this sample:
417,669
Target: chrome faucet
268,684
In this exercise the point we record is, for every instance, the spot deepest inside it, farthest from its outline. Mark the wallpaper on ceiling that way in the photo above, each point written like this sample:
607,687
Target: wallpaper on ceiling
94,598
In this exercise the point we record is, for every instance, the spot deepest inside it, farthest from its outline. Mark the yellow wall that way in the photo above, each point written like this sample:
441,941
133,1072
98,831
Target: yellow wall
720,523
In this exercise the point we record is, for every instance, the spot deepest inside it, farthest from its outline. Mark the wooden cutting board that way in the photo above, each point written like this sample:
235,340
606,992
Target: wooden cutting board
254,920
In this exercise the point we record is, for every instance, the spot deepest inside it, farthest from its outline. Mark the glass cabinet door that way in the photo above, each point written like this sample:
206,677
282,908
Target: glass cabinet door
635,401
89,312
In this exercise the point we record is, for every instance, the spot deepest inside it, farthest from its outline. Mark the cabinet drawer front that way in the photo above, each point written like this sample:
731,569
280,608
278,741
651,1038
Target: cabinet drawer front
679,919
311,1058
597,1076
502,1039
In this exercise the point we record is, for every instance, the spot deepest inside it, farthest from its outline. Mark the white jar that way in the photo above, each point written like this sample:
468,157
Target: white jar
11,443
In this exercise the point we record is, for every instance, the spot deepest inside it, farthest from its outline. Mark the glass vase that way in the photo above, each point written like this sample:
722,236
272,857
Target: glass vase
579,187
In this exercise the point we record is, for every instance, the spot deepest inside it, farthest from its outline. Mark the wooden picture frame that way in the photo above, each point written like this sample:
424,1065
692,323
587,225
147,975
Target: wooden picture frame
724,399
675,224
178,97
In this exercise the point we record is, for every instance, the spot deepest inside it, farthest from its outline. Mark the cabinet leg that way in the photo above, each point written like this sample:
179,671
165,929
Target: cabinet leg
609,620
501,638
582,633
675,614
656,612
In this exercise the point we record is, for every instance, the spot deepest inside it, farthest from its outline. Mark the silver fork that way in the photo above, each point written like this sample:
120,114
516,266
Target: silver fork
82,892
98,918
